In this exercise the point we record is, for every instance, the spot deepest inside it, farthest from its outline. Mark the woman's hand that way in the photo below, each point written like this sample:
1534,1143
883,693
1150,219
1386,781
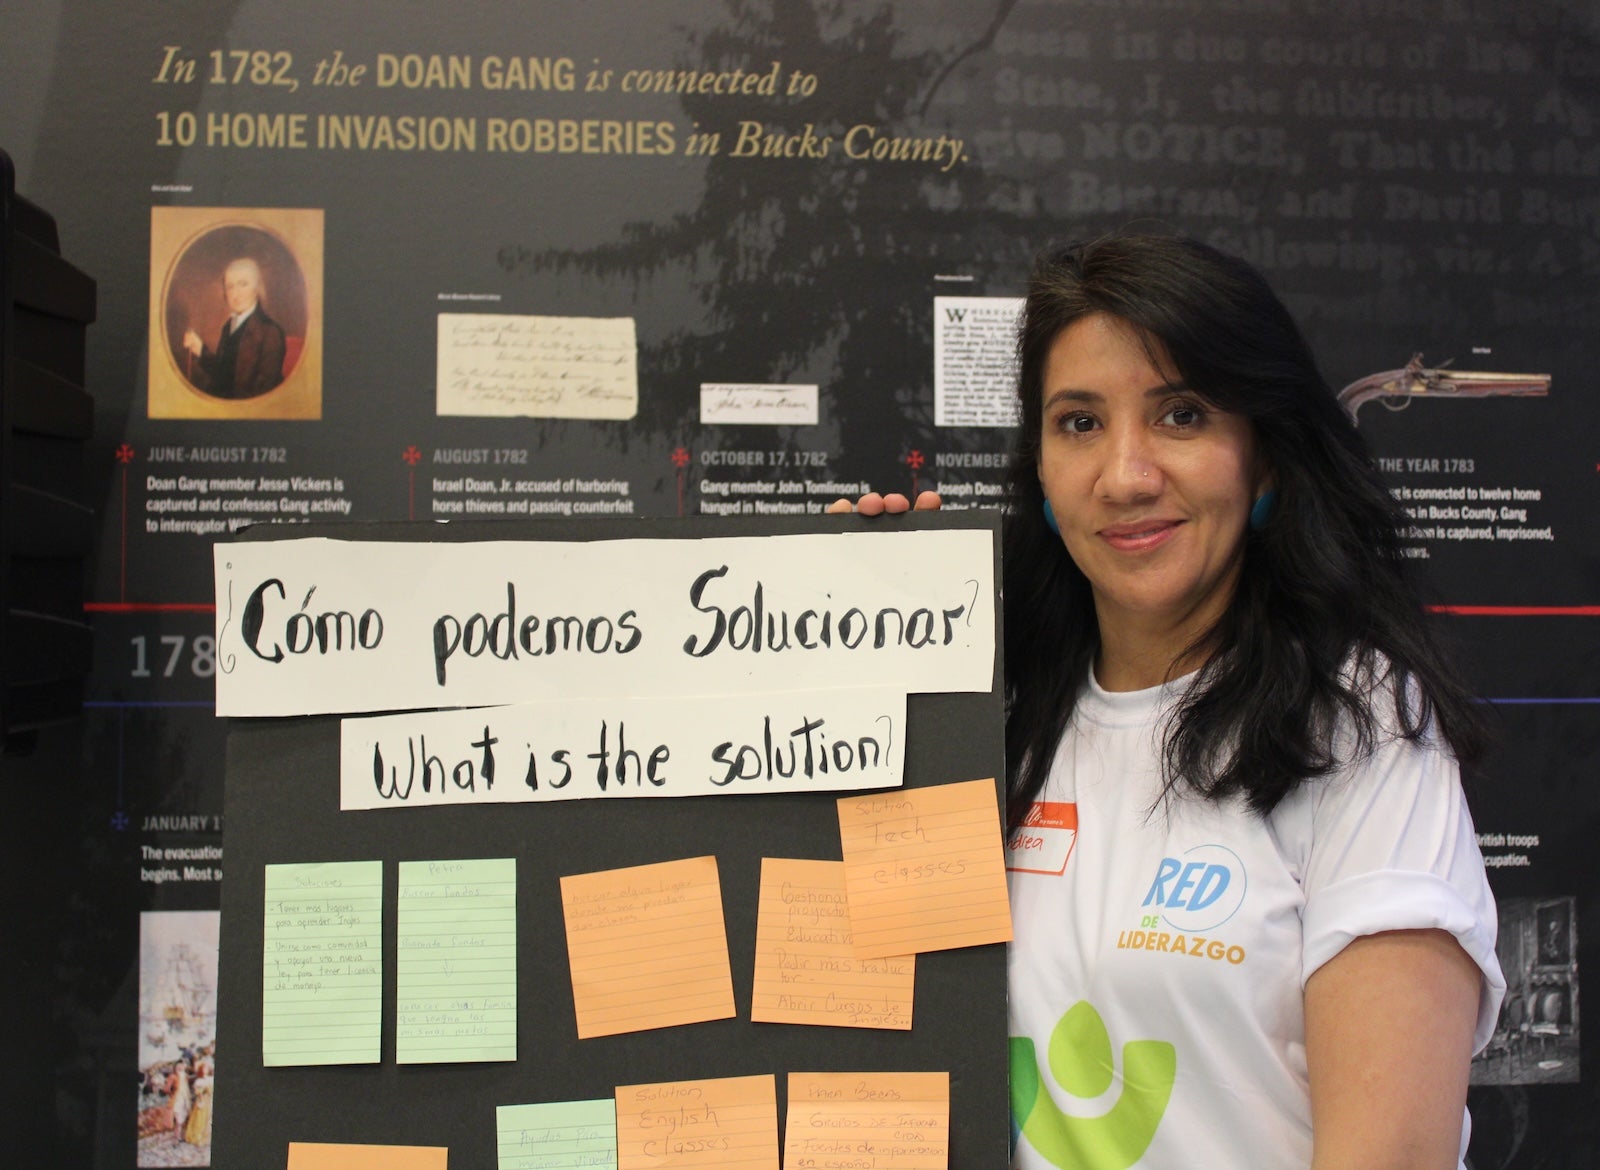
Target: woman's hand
873,504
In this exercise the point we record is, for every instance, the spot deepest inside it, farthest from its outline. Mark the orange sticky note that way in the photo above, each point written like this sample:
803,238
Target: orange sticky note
889,1121
730,1123
806,971
322,1156
647,946
925,868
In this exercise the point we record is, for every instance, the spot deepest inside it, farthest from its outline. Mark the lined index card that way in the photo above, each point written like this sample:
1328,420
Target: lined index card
648,947
806,971
322,964
925,868
456,965
325,1156
730,1123
886,1120
557,1135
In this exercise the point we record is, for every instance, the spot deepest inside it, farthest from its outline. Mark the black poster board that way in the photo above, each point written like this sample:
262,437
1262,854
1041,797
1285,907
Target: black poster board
281,803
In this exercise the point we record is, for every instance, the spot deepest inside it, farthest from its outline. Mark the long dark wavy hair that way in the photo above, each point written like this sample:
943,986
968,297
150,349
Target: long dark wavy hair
1326,628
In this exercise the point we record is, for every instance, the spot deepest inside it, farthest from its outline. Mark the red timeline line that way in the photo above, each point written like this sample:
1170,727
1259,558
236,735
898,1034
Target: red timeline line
149,607
1517,610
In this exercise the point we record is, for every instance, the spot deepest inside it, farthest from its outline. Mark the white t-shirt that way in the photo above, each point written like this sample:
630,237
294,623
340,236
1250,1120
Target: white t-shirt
1158,973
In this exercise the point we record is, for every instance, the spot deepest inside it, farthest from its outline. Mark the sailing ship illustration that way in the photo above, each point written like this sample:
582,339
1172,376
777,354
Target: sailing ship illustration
183,1001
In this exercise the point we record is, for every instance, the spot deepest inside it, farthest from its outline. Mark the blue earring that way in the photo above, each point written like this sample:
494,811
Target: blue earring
1050,519
1261,510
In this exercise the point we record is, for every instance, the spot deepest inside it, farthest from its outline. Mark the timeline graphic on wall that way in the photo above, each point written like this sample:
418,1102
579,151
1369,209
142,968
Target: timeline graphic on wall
740,259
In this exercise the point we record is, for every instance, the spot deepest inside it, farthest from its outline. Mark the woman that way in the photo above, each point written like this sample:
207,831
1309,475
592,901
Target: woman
1272,944
197,1130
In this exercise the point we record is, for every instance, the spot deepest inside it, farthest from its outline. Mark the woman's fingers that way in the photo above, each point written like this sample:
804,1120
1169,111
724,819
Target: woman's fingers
874,504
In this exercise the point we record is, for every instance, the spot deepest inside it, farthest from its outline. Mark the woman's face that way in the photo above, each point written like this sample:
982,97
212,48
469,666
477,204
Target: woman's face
1150,486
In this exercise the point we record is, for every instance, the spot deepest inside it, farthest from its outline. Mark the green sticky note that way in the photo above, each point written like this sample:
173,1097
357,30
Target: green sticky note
456,961
558,1135
322,964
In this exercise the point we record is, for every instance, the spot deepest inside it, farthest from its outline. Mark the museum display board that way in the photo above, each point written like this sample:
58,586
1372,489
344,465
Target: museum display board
724,644
395,263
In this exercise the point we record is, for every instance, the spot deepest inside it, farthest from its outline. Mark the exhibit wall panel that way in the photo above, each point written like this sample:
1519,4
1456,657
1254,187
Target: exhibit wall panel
740,258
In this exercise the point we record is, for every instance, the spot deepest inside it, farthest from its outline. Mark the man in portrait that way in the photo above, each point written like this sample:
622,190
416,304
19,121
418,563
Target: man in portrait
248,359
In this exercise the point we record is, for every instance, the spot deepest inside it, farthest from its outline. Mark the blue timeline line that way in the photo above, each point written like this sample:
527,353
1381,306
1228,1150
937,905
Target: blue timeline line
119,819
1530,702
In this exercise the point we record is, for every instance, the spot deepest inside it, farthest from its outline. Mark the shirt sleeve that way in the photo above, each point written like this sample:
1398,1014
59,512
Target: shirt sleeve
1392,847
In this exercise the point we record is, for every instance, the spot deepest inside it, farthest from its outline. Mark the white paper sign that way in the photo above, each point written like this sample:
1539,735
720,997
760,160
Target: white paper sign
820,741
320,626
737,403
493,364
975,361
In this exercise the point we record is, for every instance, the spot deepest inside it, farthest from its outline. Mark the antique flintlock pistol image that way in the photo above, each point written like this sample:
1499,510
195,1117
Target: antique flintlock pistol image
1398,388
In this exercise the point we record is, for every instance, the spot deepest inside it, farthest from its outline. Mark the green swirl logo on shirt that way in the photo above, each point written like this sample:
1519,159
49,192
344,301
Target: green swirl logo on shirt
1080,1063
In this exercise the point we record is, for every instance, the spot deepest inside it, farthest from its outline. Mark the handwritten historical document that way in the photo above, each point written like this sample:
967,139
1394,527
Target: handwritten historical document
753,404
925,868
648,947
493,364
322,964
